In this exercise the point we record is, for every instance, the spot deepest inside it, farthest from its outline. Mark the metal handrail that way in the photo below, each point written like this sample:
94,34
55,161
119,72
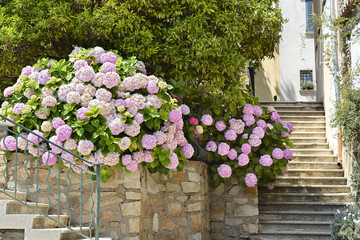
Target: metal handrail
94,176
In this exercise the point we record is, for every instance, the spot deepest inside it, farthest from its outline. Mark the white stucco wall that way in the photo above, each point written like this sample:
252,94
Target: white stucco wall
296,52
355,57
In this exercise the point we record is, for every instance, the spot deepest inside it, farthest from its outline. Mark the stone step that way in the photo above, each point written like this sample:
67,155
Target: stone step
315,173
308,123
290,118
304,151
314,158
298,104
309,129
290,188
15,207
301,197
312,180
310,146
296,215
313,165
294,234
298,107
293,112
57,233
19,195
308,139
308,226
302,206
308,134
41,222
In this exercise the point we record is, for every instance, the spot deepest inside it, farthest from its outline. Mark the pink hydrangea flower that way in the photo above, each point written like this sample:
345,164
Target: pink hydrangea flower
223,149
148,141
67,156
85,147
224,171
275,116
193,121
230,135
185,110
261,123
26,71
79,64
116,126
22,143
108,57
188,150
270,126
270,186
232,154
57,122
49,101
254,140
148,156
54,148
259,132
249,120
108,67
288,154
220,126
33,138
18,107
44,77
120,102
111,159
250,180
284,134
139,118
81,113
266,160
103,95
246,148
64,132
290,126
8,143
8,91
207,120
160,137
152,88
245,136
85,74
174,161
243,159
175,115
277,153
49,158
237,124
248,109
211,146
257,111
126,159
132,166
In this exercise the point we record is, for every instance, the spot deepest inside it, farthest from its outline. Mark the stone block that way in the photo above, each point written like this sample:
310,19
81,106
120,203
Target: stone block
241,201
193,207
180,175
196,236
182,198
173,187
133,195
196,222
246,211
251,228
155,202
194,177
219,190
167,224
155,222
217,213
175,209
234,190
233,221
134,225
108,214
131,209
228,209
253,191
190,187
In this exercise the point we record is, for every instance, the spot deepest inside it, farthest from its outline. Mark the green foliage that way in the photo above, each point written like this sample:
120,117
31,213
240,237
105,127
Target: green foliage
346,224
307,86
192,41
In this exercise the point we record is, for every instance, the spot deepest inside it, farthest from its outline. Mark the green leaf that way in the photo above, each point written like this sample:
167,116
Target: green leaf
150,123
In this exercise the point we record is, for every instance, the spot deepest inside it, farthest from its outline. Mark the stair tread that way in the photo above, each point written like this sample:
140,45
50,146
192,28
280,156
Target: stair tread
315,170
302,185
305,203
295,232
297,212
295,222
335,163
295,177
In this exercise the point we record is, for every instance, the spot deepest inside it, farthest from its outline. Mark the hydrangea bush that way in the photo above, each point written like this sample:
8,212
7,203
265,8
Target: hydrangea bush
101,107
239,140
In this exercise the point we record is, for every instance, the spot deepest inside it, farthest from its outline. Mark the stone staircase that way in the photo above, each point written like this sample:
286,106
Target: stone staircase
304,200
31,225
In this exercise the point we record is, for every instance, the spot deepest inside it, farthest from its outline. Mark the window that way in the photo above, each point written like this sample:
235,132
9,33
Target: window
305,76
309,16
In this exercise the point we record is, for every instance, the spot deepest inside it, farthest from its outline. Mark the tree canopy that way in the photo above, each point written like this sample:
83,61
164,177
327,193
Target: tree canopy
192,41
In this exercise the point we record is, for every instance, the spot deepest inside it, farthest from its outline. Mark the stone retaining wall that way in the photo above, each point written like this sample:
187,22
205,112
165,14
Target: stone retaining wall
148,206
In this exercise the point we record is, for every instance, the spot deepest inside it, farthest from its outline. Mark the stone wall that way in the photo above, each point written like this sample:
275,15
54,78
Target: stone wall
148,206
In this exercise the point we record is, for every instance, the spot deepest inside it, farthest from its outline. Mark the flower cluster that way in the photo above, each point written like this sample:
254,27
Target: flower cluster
105,110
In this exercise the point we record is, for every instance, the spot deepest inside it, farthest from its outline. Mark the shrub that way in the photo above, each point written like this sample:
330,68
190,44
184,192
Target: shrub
190,41
101,107
307,86
346,224
238,139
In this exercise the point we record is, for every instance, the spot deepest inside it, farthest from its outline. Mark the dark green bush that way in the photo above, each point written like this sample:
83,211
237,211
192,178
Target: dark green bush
189,40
